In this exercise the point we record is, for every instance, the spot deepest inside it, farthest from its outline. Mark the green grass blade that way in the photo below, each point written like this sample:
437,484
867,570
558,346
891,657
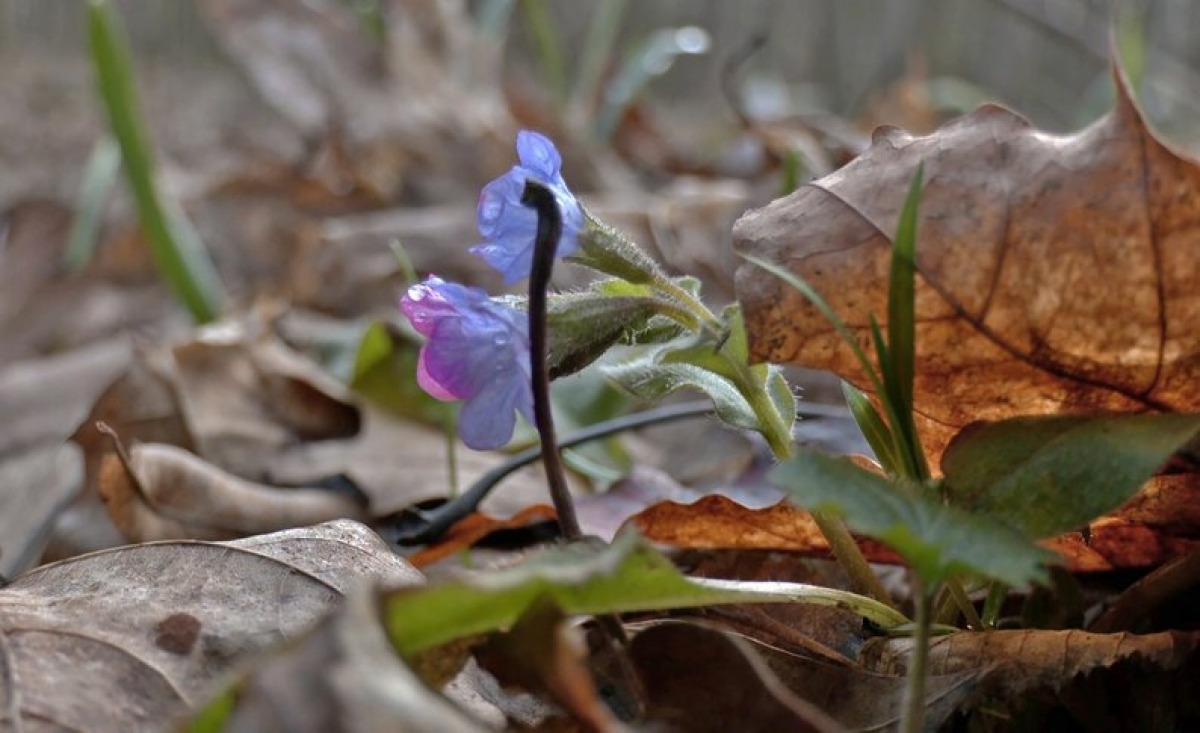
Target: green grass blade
178,251
898,374
98,177
902,295
873,427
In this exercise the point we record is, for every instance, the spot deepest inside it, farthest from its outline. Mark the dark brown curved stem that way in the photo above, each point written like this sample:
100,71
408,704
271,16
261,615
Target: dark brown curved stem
549,229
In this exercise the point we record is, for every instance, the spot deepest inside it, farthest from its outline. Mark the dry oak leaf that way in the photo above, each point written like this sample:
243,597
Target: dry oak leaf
135,637
1056,274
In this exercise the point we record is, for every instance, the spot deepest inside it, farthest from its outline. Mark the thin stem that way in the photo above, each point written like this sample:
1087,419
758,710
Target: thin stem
912,718
846,552
539,198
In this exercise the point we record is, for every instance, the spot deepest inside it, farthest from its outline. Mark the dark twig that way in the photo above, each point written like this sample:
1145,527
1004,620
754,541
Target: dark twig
549,229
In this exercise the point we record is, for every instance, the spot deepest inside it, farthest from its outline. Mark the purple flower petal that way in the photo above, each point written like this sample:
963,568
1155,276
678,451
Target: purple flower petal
508,226
476,350
538,154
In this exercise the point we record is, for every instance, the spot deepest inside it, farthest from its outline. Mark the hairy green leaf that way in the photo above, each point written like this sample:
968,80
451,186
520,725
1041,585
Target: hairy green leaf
1047,475
648,379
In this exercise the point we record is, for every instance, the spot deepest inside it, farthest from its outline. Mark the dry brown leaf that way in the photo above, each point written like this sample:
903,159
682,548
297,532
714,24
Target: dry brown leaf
541,653
1138,681
1056,273
701,679
344,676
716,522
162,492
133,638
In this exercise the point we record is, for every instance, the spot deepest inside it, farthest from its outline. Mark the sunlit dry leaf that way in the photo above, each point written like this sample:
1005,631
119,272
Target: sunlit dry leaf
1055,273
716,522
133,638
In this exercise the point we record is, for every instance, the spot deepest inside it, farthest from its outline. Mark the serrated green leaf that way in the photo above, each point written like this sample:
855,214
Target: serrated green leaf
649,380
937,541
583,578
1047,475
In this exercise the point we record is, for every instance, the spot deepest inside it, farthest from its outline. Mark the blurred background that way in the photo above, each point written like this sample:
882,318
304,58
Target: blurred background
305,143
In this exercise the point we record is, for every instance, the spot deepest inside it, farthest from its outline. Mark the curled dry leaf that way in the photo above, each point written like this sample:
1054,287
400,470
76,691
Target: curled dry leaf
1098,677
161,492
133,638
233,395
1055,273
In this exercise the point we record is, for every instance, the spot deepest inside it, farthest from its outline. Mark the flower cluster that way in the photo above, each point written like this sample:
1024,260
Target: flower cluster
477,349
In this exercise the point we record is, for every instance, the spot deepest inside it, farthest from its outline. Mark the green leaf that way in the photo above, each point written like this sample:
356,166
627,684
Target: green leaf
178,251
385,372
648,379
937,541
583,578
1047,475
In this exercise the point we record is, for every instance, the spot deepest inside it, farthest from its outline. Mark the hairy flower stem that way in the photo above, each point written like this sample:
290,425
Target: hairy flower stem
549,229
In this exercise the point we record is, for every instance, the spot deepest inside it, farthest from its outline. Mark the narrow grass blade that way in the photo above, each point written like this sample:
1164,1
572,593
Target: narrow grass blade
873,427
177,248
898,374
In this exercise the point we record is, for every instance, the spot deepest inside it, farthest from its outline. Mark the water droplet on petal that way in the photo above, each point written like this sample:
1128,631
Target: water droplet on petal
500,339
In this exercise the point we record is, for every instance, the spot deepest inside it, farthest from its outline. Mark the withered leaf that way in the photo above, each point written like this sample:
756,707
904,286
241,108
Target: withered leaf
701,679
344,676
164,492
1055,273
132,638
1138,681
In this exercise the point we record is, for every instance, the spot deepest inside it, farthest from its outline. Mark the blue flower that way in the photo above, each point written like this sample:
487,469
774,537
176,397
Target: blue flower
476,350
509,227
